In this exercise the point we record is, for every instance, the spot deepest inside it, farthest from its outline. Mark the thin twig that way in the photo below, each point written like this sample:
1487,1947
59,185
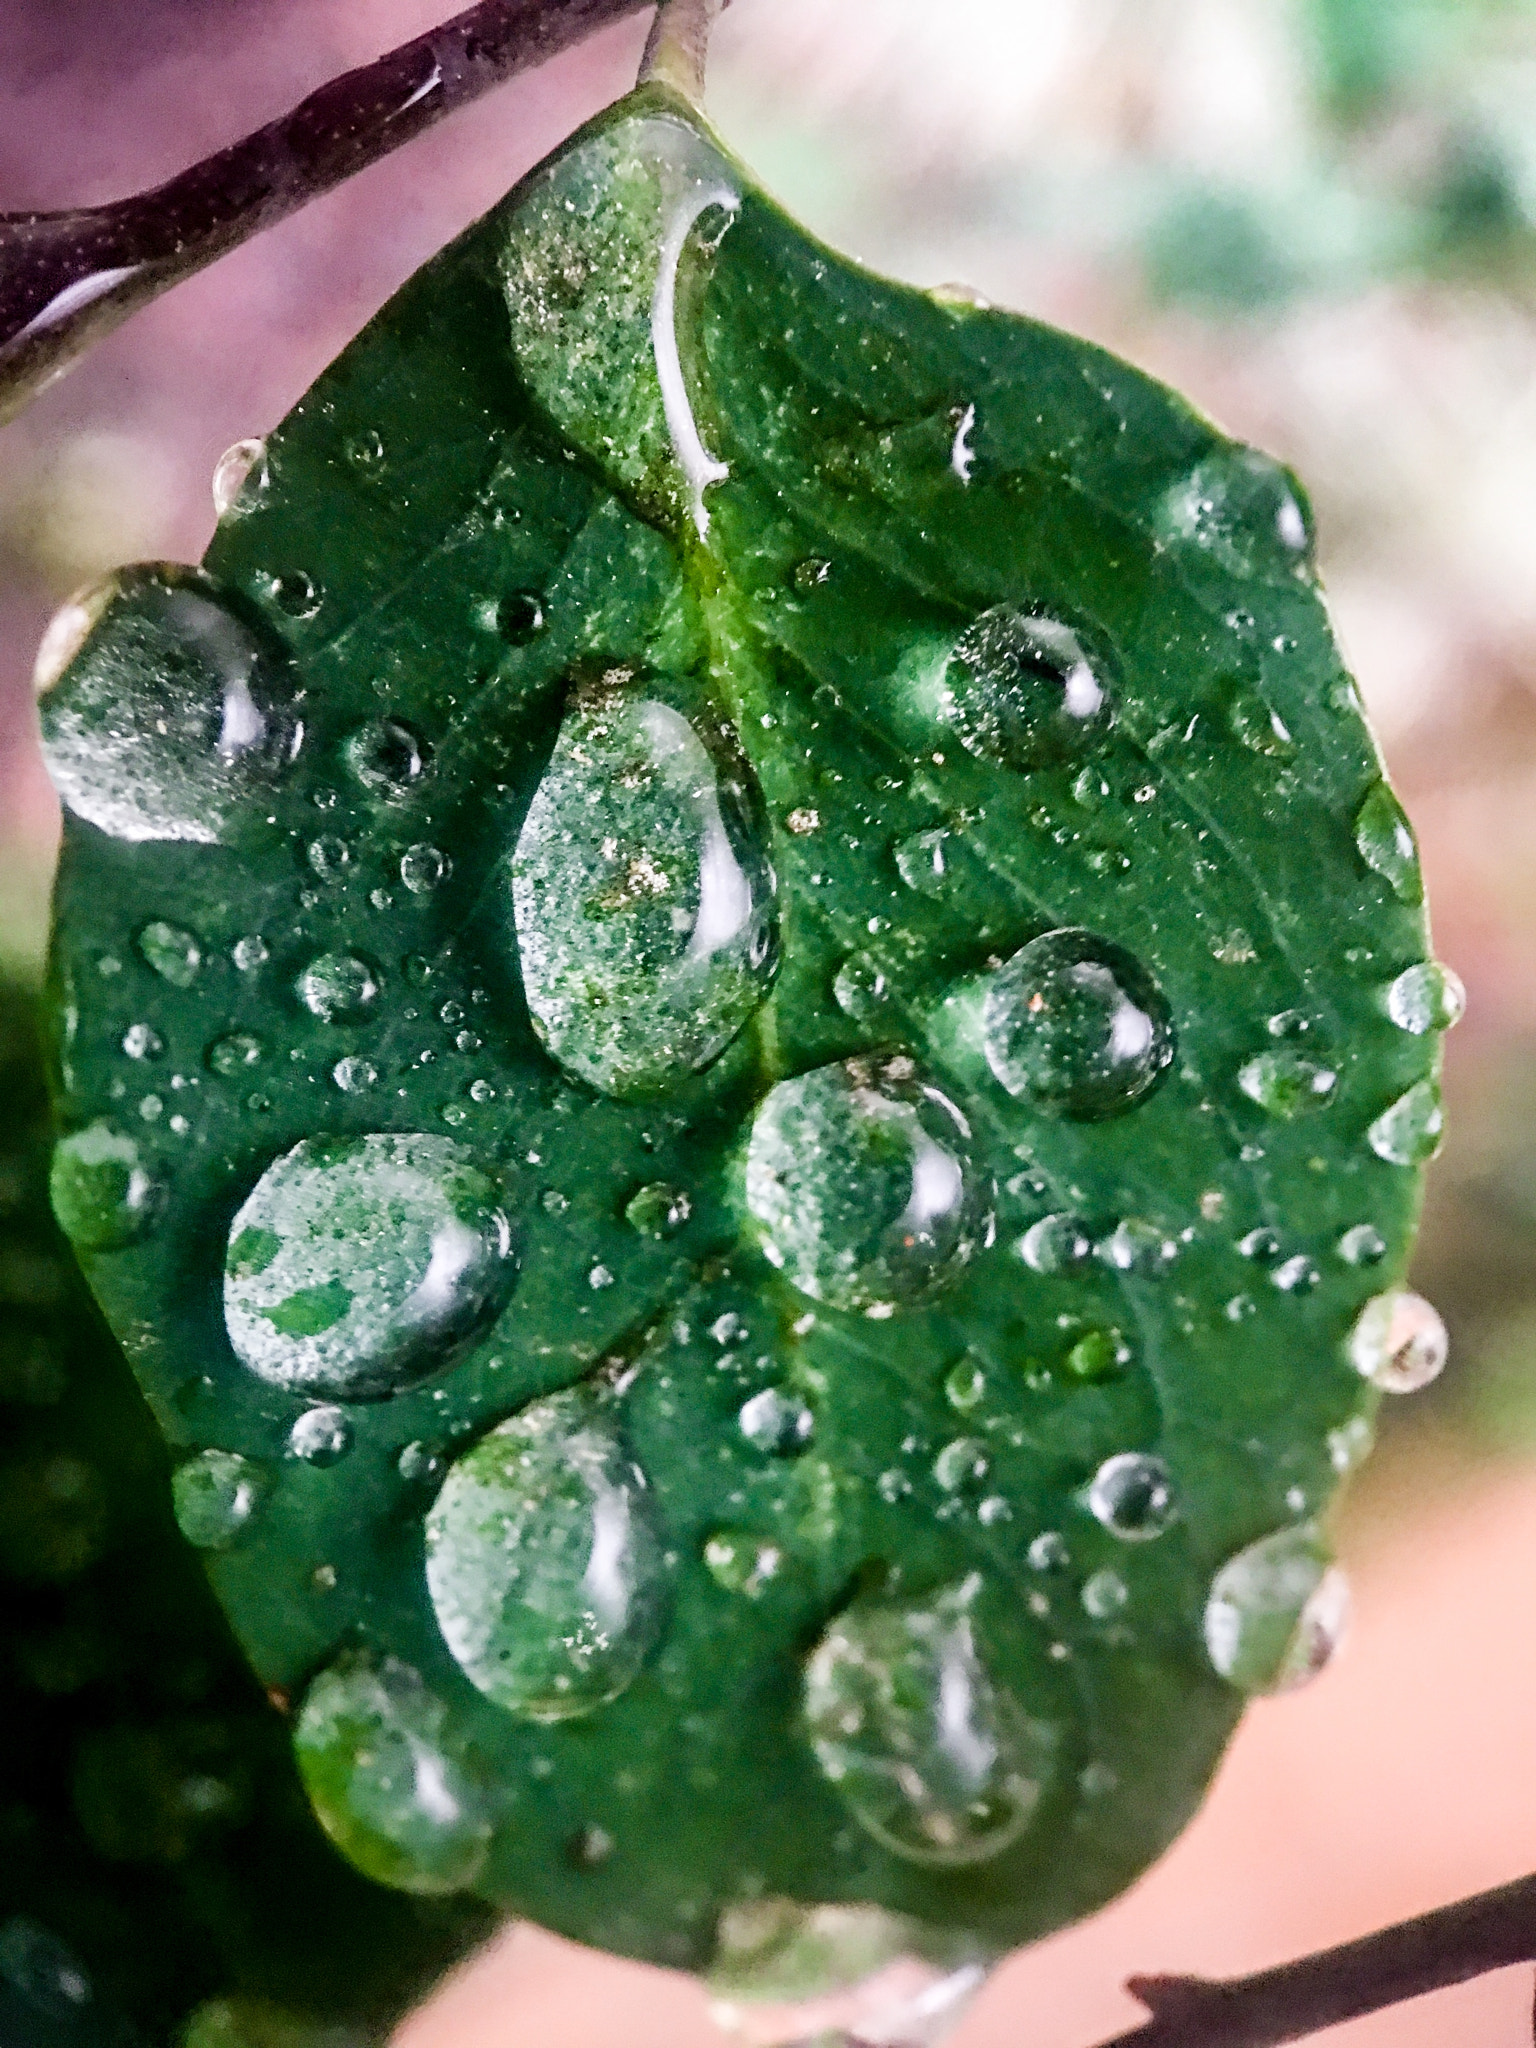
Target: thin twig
1488,1932
68,278
678,46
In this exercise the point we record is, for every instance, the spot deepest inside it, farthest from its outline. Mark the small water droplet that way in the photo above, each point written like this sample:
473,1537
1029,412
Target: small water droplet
777,1422
741,1562
354,1075
802,820
250,953
1260,729
1398,1342
520,617
387,756
1362,1245
814,570
1262,1244
935,1760
1132,1495
1021,689
1136,1246
1104,1595
424,868
1385,842
1296,1275
215,1495
173,952
47,1975
543,1562
1411,1131
1096,1354
861,988
103,1195
143,1042
242,463
293,593
1428,997
357,1265
922,861
1286,1085
1242,509
320,1436
373,1748
965,1385
860,1180
1276,1612
1055,1244
234,1054
657,1210
961,1463
1048,1552
419,1465
1076,1025
328,856
1350,1444
338,987
599,1277
364,451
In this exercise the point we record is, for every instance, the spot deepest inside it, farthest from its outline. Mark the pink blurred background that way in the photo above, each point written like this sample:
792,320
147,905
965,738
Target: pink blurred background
1341,270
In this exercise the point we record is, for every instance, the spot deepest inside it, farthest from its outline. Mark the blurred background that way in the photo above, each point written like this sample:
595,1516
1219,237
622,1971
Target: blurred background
1318,217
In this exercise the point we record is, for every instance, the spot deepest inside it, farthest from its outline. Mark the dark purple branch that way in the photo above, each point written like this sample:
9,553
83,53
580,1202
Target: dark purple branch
68,278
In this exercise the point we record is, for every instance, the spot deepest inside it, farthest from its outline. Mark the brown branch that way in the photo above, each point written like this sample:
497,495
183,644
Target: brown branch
68,278
1449,1946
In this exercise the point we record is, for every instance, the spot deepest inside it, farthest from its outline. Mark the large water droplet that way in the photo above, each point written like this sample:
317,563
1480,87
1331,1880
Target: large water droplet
1132,1495
164,709
1412,1129
1385,841
1427,997
1021,689
543,1561
1398,1342
215,1495
939,1764
1276,1612
1239,507
643,894
102,1194
338,987
860,1179
373,1750
1077,1025
1285,1085
357,1265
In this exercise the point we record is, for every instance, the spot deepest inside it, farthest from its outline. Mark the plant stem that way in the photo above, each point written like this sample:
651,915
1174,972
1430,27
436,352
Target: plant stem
1487,1932
678,46
68,278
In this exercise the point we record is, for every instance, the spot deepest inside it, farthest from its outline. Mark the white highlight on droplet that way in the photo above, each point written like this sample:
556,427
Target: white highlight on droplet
700,468
74,298
962,456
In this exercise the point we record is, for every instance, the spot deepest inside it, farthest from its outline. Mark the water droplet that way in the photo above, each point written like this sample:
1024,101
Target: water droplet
241,463
860,1180
1096,1354
320,1436
102,1194
173,952
1428,997
1412,1130
250,953
1076,1025
338,987
1398,1342
1241,508
1055,1244
1296,1275
234,1054
365,451
1262,1244
1132,1495
143,1042
1286,1085
1021,689
657,1210
936,1761
358,1265
965,1385
1386,844
1260,729
741,1562
543,1562
776,1421
294,594
1276,1612
164,708
424,868
1136,1246
387,756
419,1465
1350,1444
643,894
373,1748
520,617
1362,1245
47,1974
354,1075
860,988
1104,1595
921,861
215,1495
1048,1552
599,1277
961,1463
328,856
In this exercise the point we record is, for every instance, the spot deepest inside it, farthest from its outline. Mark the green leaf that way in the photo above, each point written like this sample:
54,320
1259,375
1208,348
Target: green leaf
783,855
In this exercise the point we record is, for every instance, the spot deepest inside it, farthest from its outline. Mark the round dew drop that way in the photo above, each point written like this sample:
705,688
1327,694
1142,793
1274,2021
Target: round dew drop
320,1436
1399,1342
1019,688
1427,997
372,1747
776,1421
543,1561
358,1265
1239,507
1076,1025
1055,1244
861,1183
387,756
1276,1612
214,1496
1132,1495
339,988
936,1761
1285,1085
102,1194
861,988
174,953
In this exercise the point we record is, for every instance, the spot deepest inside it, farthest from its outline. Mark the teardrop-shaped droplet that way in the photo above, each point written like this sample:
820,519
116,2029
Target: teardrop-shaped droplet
1399,1342
861,1182
320,1436
174,953
923,861
543,1561
1021,689
1412,1130
1276,1612
170,709
1426,997
1385,841
215,1495
936,1760
102,1193
1286,1085
1260,728
373,1749
1132,1495
643,894
357,1265
1243,510
243,463
1076,1025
